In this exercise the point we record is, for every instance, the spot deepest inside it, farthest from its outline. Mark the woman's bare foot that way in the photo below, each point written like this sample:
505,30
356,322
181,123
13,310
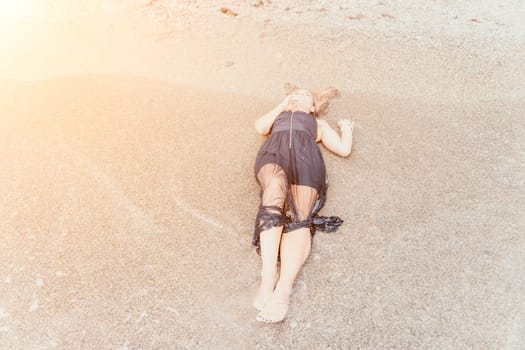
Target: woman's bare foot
276,308
265,290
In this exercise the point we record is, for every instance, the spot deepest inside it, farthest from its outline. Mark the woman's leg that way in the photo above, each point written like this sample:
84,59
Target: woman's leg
269,241
273,182
294,249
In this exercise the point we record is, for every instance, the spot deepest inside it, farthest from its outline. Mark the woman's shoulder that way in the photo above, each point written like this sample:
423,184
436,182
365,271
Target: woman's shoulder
321,122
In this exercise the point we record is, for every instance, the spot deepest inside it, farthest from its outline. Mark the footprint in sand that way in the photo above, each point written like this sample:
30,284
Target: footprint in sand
34,305
3,313
39,282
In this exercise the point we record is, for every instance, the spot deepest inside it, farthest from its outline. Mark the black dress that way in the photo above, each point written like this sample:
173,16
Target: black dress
291,171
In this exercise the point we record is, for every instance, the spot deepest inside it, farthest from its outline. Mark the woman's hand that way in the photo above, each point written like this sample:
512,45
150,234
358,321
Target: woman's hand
285,103
345,124
339,144
263,124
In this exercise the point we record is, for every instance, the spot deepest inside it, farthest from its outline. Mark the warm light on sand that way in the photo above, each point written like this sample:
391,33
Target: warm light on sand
127,189
38,26
17,9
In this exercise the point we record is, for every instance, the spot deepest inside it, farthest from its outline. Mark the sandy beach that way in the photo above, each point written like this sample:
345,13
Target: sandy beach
127,195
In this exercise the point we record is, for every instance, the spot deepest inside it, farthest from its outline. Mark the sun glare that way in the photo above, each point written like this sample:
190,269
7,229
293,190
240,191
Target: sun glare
21,9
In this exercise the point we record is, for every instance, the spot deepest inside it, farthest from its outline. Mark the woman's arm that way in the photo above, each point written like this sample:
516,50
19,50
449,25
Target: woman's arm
263,124
338,144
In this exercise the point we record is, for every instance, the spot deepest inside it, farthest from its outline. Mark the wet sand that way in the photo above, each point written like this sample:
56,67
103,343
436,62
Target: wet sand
127,196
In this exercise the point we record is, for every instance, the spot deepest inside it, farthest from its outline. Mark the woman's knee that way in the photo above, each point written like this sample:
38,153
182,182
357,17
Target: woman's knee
274,193
276,184
268,217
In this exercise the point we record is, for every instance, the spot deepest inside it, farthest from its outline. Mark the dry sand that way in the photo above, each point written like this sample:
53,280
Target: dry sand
127,196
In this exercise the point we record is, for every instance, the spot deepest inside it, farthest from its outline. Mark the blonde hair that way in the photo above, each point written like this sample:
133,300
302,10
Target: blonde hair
321,98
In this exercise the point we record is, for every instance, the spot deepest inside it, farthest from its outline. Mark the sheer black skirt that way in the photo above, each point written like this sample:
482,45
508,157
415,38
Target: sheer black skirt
291,172
289,205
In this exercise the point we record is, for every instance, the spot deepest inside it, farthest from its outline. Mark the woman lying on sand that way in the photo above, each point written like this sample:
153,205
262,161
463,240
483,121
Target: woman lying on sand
291,171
